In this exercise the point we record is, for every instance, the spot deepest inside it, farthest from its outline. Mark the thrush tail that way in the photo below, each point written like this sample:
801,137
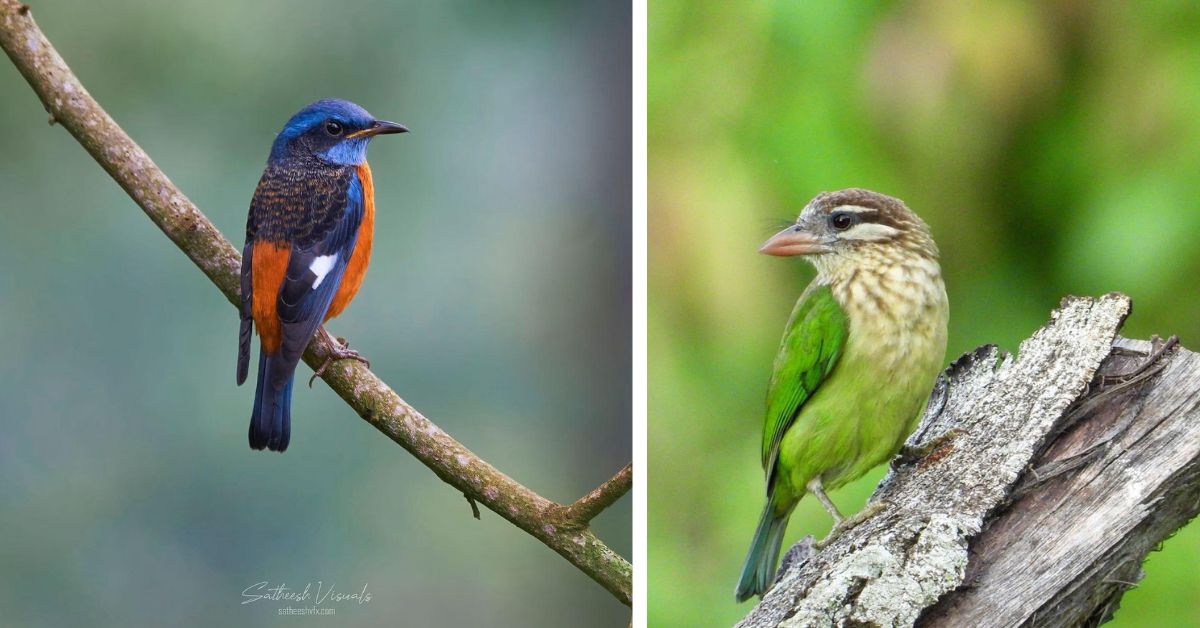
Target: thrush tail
271,421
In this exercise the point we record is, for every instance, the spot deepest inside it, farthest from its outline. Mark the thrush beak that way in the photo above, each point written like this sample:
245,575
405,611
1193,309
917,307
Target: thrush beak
793,241
379,127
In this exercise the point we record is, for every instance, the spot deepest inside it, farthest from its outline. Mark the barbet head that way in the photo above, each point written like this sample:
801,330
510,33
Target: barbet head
853,229
331,130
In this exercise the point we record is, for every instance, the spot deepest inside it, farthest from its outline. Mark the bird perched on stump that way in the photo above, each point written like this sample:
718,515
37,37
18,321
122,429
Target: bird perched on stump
859,357
308,243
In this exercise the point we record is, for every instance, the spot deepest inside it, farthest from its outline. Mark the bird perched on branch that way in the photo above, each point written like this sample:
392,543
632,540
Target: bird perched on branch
859,357
308,243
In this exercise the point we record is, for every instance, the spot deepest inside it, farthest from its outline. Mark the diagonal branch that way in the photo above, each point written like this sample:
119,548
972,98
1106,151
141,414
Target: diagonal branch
70,105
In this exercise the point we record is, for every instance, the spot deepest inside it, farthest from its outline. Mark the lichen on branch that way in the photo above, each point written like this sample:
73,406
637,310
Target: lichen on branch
562,528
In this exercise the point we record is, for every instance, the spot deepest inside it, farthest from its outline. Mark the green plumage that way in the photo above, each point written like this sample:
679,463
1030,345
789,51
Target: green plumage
858,358
812,343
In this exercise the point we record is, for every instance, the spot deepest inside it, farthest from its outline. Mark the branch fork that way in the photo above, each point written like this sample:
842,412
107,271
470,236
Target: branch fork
71,106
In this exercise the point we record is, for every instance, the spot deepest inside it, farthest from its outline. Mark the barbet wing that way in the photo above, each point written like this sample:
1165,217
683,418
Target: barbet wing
811,346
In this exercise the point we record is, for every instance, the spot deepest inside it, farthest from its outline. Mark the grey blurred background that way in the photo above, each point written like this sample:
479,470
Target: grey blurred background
497,303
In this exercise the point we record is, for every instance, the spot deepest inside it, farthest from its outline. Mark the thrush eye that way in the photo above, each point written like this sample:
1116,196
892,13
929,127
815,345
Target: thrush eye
333,128
841,221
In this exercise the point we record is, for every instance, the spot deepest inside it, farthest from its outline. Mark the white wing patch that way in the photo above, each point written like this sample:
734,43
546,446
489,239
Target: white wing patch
321,267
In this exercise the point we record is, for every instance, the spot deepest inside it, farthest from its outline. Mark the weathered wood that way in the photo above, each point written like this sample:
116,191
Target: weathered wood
1077,458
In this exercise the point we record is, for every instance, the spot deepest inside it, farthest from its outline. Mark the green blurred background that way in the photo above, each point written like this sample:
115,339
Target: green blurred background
1054,148
497,303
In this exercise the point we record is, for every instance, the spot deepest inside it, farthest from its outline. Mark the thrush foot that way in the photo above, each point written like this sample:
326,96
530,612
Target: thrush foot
340,350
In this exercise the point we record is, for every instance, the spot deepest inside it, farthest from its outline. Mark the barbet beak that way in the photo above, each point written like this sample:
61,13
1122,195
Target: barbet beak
379,127
793,241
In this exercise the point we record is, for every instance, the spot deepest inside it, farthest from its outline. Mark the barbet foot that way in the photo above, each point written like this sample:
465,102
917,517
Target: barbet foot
814,486
843,526
840,524
340,351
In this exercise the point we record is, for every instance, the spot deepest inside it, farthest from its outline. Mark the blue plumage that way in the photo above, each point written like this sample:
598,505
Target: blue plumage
271,418
343,112
301,303
301,233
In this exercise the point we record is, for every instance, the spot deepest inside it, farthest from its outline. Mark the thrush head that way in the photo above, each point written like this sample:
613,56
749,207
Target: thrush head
332,130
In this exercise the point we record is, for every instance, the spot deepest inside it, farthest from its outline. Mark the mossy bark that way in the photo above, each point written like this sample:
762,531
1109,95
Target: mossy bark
70,105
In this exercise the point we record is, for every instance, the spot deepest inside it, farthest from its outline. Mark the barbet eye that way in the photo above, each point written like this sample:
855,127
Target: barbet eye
333,128
841,221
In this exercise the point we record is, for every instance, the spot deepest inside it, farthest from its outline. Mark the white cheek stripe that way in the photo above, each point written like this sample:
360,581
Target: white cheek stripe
321,267
871,232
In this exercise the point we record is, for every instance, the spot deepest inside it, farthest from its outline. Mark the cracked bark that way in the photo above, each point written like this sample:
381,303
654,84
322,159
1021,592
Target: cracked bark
1078,457
69,104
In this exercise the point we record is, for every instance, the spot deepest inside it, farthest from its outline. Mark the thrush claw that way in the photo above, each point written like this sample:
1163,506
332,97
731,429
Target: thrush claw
340,351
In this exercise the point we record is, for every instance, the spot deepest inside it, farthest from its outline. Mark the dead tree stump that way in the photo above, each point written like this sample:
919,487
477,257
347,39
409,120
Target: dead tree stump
1075,459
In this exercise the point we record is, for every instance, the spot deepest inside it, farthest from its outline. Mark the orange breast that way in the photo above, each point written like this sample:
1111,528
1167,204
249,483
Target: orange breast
356,269
268,267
